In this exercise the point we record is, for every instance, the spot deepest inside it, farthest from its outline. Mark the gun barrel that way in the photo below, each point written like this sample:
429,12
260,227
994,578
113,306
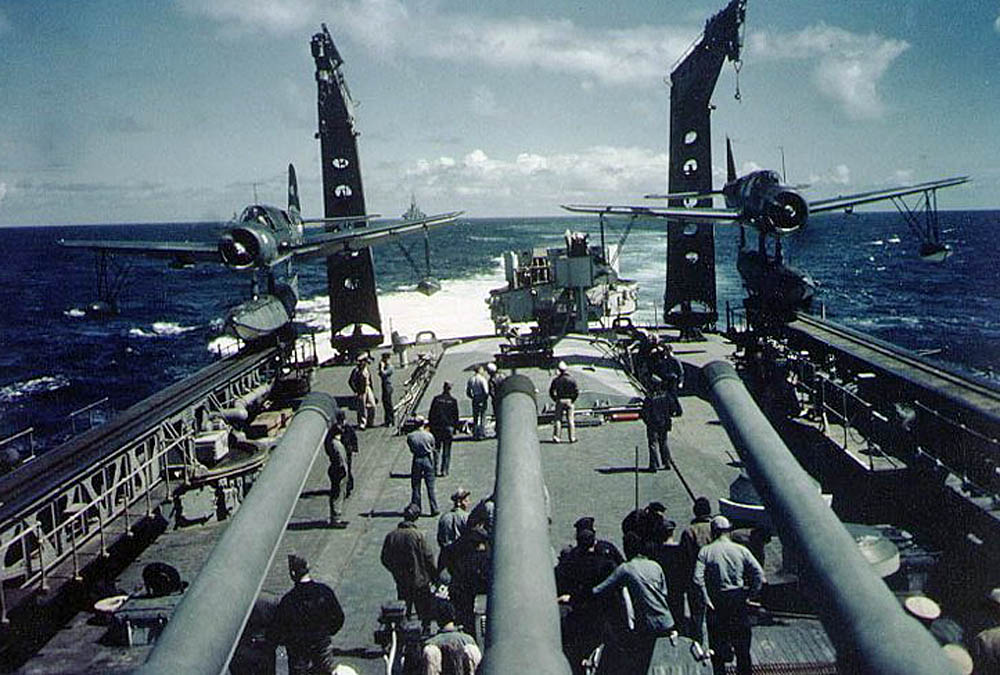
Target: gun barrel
866,623
206,626
523,617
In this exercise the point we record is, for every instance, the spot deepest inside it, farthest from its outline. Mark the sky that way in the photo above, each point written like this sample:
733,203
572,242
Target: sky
129,112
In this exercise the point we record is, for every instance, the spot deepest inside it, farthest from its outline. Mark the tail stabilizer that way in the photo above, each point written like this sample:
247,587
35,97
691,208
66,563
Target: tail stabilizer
293,192
730,162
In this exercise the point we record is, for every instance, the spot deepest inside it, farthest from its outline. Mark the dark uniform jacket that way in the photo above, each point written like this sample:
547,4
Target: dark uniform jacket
443,415
309,611
407,555
563,386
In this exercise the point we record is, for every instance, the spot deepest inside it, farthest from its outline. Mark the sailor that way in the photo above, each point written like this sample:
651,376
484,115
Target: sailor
360,382
495,378
349,438
694,537
468,563
986,645
421,445
337,472
667,368
385,372
408,557
728,576
630,651
564,392
604,547
443,418
307,618
648,523
656,414
452,524
580,569
450,650
484,514
477,388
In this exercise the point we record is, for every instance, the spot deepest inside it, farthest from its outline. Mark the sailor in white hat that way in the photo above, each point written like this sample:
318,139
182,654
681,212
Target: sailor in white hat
728,575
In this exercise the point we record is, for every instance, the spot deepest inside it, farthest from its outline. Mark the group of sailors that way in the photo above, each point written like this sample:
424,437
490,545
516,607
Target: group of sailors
615,608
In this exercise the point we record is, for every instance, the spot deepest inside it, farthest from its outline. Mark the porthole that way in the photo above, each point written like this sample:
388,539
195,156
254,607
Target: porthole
343,191
690,202
691,257
340,163
690,166
690,229
690,137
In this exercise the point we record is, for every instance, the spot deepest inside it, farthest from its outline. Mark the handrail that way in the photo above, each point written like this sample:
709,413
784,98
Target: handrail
864,620
206,626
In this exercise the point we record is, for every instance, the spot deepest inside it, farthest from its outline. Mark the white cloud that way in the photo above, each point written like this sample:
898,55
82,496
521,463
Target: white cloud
901,177
996,24
847,66
239,17
393,29
838,175
537,183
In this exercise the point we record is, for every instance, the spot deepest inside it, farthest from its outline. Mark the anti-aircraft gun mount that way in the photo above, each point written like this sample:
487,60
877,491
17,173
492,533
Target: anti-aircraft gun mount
562,289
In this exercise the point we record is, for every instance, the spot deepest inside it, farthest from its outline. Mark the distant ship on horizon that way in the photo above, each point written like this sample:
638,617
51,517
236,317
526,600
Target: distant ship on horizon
414,212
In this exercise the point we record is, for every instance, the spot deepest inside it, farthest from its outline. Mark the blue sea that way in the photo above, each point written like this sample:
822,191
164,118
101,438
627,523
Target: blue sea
55,360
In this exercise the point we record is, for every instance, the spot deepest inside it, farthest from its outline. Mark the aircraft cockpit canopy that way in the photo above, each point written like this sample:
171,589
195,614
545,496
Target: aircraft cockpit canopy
267,216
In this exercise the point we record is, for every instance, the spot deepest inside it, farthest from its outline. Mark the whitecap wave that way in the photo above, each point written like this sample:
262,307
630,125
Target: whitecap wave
171,328
161,329
224,345
39,385
74,313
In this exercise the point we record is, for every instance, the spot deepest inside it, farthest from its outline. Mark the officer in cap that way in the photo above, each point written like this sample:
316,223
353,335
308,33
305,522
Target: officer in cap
729,576
602,546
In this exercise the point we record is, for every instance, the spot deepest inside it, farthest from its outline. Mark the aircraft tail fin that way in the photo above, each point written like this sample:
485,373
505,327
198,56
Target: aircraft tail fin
293,192
730,162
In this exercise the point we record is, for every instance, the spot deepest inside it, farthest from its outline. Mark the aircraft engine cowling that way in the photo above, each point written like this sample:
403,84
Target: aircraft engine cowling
243,247
785,212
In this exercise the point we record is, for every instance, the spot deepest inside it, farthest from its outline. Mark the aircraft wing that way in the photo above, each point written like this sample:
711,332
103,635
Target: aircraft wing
848,201
676,212
185,251
342,220
327,244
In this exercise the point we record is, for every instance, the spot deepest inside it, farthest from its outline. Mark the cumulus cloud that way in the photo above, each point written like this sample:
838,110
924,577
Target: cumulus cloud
847,67
388,27
536,183
838,175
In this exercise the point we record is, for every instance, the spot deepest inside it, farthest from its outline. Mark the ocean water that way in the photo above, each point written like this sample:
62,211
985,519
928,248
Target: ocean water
55,360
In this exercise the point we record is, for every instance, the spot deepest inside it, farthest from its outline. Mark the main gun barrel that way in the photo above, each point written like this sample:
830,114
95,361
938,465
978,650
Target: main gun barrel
523,617
206,626
866,623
